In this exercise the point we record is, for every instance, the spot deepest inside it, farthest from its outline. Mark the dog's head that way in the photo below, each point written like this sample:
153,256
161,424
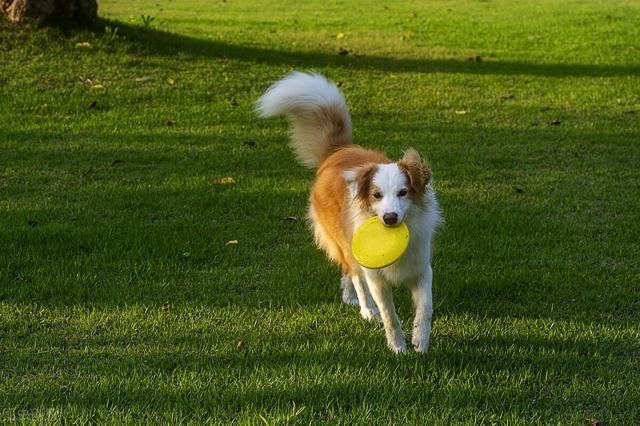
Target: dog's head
390,191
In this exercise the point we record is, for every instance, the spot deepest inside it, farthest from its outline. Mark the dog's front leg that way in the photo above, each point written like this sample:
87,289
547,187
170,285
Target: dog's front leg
422,299
382,295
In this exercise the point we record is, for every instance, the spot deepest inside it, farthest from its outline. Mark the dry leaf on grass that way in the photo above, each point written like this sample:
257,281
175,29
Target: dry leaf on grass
228,180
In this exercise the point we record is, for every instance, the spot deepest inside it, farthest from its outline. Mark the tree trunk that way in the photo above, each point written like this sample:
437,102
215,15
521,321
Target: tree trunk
77,11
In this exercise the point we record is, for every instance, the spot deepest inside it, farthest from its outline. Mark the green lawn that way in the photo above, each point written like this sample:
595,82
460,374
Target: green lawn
121,301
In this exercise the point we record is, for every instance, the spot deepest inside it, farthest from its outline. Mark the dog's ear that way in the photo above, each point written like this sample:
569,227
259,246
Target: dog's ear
359,181
417,171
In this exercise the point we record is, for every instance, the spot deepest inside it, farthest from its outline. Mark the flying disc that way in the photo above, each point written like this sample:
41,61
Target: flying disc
376,246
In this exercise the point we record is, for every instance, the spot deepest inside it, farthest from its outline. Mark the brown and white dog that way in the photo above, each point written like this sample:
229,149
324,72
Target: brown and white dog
353,184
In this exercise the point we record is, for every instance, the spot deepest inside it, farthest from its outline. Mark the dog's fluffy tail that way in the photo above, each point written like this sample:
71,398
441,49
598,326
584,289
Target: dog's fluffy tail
319,116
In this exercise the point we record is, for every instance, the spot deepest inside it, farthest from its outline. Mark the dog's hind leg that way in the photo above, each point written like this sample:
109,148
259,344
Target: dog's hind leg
349,295
368,309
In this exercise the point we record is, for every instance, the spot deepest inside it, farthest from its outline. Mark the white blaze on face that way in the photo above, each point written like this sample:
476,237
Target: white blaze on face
390,194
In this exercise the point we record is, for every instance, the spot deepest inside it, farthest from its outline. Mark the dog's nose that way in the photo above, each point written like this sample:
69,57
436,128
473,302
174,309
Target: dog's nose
390,218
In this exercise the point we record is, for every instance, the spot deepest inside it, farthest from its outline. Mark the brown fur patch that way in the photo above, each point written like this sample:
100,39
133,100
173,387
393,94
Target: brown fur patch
337,132
330,201
418,173
364,184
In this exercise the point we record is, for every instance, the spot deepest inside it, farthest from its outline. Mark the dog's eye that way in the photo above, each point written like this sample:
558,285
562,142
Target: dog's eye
377,195
402,193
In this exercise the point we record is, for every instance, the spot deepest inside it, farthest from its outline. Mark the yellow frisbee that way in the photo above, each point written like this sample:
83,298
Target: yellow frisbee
376,246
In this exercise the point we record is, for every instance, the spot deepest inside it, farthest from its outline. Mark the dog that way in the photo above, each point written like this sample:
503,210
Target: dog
353,184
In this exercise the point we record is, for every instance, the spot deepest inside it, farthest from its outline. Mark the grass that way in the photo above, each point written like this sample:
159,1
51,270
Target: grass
121,301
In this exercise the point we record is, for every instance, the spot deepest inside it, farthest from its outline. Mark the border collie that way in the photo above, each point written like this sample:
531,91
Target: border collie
353,184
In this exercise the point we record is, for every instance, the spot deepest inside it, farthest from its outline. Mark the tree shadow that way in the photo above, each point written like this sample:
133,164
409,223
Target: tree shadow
170,240
158,42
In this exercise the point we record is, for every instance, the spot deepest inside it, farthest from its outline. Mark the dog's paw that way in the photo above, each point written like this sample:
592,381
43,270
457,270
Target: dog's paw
396,340
420,342
398,347
369,314
421,347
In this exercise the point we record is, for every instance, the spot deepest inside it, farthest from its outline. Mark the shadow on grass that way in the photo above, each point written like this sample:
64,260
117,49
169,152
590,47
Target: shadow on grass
164,43
113,231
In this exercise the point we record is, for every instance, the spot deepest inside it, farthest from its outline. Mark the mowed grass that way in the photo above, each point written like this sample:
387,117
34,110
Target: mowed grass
122,301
